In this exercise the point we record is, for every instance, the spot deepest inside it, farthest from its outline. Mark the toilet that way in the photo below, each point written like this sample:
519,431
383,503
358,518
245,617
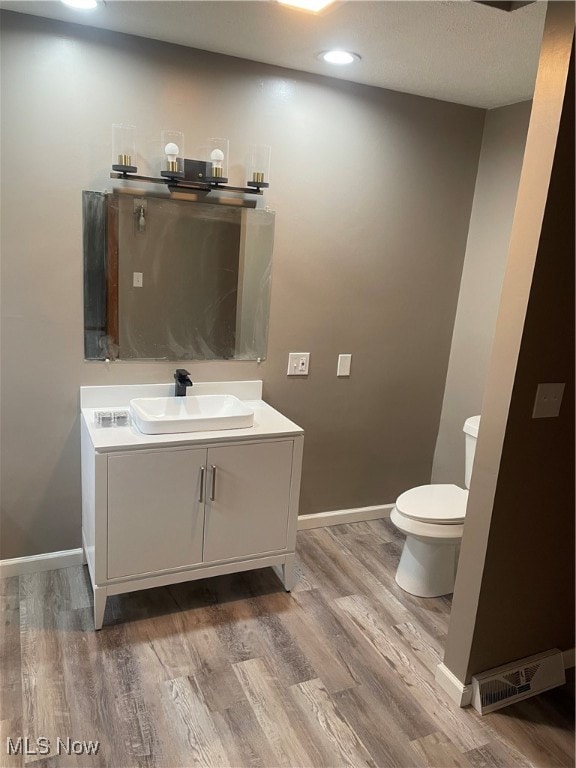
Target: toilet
432,519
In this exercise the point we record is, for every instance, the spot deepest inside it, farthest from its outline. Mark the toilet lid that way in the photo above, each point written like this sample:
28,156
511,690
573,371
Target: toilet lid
434,503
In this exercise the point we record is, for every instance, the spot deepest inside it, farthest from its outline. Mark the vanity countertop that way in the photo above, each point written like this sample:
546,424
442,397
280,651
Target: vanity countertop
268,422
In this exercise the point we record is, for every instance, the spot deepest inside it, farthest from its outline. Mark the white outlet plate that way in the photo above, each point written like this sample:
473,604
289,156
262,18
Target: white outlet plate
548,401
137,279
298,363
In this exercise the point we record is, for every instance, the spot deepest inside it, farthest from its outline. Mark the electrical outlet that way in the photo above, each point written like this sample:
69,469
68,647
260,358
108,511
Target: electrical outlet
548,401
137,279
298,363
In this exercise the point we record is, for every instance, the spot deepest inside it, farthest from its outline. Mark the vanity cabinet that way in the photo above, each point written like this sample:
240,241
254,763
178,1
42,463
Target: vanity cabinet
157,515
174,508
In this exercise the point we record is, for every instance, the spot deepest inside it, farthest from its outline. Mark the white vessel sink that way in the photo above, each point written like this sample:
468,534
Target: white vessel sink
194,413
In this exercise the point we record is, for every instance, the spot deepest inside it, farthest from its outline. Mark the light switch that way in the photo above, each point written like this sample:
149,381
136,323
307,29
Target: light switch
298,363
548,401
137,280
344,363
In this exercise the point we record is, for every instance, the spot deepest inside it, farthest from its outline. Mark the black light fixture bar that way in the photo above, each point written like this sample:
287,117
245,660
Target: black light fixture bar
185,184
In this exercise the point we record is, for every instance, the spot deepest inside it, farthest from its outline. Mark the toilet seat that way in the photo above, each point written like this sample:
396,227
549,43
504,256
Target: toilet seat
426,531
441,504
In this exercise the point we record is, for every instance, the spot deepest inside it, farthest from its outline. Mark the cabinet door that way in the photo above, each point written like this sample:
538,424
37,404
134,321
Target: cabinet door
249,512
155,516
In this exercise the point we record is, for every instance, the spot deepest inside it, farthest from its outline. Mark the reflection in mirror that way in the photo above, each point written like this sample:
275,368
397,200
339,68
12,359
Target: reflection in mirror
169,279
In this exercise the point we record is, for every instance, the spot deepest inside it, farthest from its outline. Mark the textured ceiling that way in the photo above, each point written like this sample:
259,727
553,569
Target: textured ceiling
458,51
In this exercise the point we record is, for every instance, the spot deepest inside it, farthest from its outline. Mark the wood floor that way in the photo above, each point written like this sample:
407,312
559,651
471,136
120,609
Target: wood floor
233,671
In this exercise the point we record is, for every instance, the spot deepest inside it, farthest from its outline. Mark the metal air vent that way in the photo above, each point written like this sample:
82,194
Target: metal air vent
513,682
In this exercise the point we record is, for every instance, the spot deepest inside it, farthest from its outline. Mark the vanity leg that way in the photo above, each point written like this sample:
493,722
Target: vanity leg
289,572
99,606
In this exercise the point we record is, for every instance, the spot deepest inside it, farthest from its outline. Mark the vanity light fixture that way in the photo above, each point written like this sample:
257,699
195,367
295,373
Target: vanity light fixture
181,174
315,6
84,5
338,57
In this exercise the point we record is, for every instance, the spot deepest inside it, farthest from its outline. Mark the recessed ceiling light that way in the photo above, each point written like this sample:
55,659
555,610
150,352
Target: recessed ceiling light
85,5
338,57
307,5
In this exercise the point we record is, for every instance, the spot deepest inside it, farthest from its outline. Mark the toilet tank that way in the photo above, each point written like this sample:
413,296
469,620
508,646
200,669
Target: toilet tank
471,427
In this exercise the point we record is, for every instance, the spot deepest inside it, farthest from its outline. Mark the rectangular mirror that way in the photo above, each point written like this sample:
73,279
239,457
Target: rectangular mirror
168,279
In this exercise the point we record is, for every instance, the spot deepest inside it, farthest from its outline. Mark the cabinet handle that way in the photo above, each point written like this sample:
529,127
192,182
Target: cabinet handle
202,476
213,493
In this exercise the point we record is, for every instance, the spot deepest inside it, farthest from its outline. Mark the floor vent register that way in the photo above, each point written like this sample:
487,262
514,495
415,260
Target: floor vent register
513,682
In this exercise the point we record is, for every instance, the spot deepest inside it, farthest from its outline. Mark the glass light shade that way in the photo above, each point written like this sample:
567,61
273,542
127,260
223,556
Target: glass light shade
258,164
123,146
217,154
172,153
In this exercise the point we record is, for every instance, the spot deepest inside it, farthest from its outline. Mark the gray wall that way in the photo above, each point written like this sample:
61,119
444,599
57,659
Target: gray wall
373,191
503,144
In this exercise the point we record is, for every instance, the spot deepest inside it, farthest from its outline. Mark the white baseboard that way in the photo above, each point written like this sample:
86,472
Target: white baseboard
569,658
20,566
341,516
460,694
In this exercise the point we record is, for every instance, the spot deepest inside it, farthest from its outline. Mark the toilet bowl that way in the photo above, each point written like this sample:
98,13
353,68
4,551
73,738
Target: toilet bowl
432,519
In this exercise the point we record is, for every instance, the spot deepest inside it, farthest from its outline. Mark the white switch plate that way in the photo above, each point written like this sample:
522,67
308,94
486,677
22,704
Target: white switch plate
548,401
298,363
344,363
137,279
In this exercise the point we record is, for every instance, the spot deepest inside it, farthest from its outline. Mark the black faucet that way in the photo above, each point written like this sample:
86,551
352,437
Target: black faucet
183,380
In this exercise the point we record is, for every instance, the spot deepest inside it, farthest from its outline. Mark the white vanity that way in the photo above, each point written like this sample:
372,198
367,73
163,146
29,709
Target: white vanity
164,508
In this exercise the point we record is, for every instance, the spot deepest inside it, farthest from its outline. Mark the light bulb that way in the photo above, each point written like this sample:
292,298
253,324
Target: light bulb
83,4
172,150
338,57
217,156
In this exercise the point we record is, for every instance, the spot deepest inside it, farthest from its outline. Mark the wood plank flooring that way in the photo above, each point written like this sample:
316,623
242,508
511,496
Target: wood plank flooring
234,672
